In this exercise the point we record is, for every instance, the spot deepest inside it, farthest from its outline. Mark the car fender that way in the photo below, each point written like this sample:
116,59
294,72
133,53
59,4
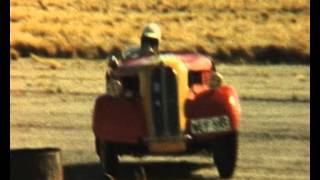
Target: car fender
214,102
117,119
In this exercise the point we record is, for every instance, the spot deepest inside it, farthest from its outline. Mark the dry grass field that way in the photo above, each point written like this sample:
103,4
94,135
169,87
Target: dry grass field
52,101
229,30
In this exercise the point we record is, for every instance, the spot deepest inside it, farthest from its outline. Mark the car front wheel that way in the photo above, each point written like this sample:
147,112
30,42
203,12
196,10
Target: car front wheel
225,154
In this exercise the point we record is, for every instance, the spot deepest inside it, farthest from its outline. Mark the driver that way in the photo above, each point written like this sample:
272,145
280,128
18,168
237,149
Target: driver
149,45
149,42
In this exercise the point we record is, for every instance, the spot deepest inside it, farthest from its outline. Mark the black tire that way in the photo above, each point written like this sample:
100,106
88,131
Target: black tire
225,152
108,157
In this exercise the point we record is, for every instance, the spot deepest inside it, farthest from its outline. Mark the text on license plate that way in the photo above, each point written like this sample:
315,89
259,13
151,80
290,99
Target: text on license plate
210,125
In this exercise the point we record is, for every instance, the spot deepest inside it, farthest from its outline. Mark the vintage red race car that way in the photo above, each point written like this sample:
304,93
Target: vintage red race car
172,103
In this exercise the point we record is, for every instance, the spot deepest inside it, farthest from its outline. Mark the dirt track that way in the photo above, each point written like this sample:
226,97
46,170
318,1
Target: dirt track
274,140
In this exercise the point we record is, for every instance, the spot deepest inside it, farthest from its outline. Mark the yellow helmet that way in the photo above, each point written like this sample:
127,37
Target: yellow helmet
152,31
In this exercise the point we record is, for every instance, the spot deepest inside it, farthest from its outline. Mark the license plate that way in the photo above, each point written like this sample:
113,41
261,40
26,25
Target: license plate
210,125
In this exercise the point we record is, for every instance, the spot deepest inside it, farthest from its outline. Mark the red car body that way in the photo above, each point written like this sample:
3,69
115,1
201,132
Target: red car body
123,121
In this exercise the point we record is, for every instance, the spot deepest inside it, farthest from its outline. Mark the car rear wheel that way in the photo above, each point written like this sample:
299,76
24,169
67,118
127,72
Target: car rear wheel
108,157
225,154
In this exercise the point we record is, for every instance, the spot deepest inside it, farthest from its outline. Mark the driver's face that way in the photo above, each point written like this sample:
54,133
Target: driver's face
149,45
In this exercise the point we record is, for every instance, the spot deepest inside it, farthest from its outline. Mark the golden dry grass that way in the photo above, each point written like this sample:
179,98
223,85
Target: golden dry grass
226,29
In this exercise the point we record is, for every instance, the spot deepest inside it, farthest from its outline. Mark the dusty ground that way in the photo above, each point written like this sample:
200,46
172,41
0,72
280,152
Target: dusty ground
52,105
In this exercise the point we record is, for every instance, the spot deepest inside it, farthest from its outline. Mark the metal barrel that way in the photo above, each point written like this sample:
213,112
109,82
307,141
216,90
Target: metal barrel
36,164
